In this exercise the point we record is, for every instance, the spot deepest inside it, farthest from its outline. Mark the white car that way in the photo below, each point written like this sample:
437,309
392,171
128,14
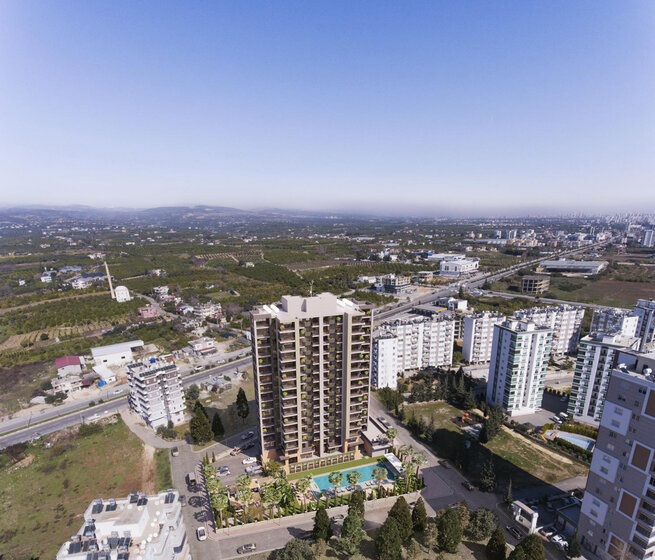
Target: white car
223,473
249,460
201,533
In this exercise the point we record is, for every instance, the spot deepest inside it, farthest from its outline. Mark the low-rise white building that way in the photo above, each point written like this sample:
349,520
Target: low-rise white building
139,526
122,294
564,320
156,391
203,345
459,267
478,336
116,354
209,310
517,371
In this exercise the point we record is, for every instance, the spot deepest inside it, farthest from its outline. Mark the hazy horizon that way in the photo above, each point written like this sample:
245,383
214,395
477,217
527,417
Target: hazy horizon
439,107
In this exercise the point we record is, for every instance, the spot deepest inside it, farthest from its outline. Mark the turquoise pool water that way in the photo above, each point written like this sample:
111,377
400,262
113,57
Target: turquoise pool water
324,483
580,441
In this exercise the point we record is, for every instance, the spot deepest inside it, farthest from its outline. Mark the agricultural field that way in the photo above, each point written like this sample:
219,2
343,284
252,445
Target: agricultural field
44,492
18,384
626,280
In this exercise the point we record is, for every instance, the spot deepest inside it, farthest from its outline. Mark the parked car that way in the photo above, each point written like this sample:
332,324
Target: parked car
249,460
564,399
201,533
251,547
250,434
223,473
199,368
445,464
175,452
514,532
182,500
235,451
249,445
470,487
117,391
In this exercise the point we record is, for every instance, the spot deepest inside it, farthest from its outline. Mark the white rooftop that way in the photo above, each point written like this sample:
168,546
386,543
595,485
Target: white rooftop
115,348
298,307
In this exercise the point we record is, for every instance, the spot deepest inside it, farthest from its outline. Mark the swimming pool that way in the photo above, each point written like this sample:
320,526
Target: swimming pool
324,483
580,441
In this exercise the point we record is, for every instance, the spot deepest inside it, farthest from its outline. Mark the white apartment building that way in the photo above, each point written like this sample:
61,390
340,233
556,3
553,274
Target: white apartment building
517,372
385,362
597,357
156,391
478,336
564,320
649,238
423,341
645,310
458,267
207,310
613,320
139,526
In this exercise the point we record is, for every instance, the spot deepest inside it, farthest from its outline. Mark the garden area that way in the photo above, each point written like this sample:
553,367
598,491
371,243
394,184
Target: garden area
46,487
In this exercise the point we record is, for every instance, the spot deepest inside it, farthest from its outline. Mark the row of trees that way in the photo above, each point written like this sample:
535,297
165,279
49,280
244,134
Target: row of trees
201,428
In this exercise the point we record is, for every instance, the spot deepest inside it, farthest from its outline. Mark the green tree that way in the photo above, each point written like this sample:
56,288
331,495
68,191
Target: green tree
357,503
352,533
482,523
302,486
400,511
201,431
379,474
388,543
243,408
496,547
508,498
200,408
430,535
413,550
450,531
193,392
419,516
392,434
492,425
469,401
463,513
531,548
575,550
217,427
488,476
322,526
295,549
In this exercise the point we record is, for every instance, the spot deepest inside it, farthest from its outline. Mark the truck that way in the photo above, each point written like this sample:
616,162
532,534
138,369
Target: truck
191,479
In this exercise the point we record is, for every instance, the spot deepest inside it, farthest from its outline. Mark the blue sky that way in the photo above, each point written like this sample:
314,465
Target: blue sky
416,107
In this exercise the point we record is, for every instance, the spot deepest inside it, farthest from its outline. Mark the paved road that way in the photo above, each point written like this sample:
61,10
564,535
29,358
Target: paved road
83,412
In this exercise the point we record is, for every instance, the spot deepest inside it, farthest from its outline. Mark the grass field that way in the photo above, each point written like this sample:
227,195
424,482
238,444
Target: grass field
524,458
163,469
48,497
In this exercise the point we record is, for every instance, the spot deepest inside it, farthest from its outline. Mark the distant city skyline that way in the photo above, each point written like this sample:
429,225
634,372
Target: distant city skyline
435,108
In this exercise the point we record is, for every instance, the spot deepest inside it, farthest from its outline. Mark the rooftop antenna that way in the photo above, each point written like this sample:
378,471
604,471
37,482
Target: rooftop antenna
111,287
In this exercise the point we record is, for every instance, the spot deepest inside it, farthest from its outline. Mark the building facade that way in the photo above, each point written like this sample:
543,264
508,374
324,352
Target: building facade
517,371
478,336
459,267
393,284
311,360
139,526
612,320
385,362
617,520
564,320
596,359
649,238
156,391
645,311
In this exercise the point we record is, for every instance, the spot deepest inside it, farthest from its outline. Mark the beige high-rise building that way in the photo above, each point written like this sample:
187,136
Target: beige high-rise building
311,361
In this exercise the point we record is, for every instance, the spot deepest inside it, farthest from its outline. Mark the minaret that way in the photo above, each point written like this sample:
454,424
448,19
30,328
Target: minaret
111,287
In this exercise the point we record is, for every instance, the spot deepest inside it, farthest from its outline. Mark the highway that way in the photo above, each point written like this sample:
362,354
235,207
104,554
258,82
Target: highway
79,412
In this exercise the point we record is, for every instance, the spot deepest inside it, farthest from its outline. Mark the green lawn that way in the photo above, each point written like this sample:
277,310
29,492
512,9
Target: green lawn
48,497
334,468
163,469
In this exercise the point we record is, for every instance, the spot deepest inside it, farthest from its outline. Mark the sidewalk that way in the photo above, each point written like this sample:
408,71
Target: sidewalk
144,433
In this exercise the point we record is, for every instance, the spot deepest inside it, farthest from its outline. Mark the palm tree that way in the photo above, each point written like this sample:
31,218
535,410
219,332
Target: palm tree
244,497
354,477
219,501
392,434
379,474
244,480
418,461
336,478
302,486
405,450
270,494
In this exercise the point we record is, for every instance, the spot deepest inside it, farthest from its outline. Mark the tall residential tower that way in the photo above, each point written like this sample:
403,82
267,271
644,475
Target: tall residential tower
311,360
